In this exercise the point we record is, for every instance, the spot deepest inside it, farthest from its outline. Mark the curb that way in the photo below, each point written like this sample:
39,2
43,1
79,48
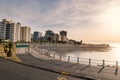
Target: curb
53,71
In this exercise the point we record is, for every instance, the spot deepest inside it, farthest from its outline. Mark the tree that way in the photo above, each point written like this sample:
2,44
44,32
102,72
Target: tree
81,42
5,48
41,41
0,41
49,39
8,48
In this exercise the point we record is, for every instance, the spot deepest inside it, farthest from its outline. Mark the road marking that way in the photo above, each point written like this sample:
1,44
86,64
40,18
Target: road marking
65,73
61,78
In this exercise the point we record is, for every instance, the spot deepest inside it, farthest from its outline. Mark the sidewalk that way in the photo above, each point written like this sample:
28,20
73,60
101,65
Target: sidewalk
10,70
94,72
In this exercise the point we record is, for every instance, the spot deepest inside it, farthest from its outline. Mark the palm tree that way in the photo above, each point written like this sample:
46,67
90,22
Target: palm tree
5,48
0,41
10,45
49,39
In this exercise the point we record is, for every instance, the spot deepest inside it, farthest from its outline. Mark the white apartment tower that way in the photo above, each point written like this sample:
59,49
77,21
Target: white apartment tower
25,34
10,30
2,30
17,32
14,31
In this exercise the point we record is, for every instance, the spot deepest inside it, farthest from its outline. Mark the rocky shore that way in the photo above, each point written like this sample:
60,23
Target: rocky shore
69,48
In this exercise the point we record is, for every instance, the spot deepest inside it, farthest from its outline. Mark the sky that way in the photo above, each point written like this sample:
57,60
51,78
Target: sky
87,20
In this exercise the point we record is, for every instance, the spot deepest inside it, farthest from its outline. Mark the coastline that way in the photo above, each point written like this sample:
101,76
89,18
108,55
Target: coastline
57,51
58,65
69,48
93,72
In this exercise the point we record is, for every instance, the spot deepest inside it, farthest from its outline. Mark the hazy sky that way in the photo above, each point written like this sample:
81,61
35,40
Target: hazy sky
89,20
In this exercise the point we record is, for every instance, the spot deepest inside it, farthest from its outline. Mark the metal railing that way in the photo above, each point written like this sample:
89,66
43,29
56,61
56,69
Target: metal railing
88,61
78,60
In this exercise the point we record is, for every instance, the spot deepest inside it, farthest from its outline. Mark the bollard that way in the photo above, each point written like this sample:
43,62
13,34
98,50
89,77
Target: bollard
116,64
60,57
103,63
68,59
77,60
54,56
28,50
89,62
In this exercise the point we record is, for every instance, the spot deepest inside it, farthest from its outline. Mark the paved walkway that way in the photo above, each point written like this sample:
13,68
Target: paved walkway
12,71
93,72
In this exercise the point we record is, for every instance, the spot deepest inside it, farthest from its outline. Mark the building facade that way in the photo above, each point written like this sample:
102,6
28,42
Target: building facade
2,30
55,37
63,35
14,31
48,35
25,34
37,35
17,32
51,35
9,30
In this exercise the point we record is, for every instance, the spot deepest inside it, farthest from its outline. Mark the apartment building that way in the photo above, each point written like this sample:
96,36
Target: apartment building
25,34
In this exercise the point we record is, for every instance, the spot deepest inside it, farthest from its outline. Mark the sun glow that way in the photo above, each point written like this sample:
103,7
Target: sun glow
112,18
110,23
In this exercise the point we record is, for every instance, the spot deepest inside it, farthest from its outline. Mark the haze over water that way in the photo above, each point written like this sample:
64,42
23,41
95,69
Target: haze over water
113,54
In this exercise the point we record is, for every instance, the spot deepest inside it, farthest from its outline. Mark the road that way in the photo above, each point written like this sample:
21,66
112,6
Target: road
12,71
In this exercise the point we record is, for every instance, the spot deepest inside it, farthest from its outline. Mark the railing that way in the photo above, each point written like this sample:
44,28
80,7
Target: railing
89,61
78,60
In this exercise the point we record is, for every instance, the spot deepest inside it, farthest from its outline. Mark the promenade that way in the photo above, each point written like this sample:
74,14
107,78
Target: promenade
10,70
88,72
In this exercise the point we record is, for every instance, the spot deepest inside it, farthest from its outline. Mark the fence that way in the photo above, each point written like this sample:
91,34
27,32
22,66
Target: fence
78,60
89,61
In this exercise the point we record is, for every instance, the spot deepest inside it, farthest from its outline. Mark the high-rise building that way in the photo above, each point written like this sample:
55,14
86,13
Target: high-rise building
25,34
48,34
17,33
51,35
55,37
6,20
37,35
2,30
63,35
32,36
14,31
9,30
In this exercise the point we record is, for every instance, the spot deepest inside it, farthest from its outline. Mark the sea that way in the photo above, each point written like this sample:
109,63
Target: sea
111,56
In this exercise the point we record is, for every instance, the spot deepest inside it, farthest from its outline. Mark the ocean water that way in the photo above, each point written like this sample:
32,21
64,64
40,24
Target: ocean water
110,56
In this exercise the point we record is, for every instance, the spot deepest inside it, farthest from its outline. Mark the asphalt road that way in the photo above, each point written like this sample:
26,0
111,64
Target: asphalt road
13,71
